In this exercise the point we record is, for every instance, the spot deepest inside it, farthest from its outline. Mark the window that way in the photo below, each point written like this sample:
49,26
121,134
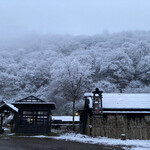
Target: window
34,117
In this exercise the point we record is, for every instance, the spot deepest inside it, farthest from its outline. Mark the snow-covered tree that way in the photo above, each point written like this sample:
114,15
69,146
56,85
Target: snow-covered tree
117,68
72,78
106,86
143,70
119,60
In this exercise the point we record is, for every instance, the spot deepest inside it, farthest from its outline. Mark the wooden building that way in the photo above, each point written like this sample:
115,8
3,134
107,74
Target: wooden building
122,114
34,116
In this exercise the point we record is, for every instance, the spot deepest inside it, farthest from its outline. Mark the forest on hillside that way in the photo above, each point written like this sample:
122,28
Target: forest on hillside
46,65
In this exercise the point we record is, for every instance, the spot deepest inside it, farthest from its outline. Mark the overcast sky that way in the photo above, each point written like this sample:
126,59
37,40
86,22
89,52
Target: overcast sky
75,17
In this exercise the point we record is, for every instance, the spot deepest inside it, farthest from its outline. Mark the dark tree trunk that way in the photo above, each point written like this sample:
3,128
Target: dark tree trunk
73,124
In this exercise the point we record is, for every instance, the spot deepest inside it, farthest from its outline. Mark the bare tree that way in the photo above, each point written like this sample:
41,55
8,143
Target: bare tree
72,78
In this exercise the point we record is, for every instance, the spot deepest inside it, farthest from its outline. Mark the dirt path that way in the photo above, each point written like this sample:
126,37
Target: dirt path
26,143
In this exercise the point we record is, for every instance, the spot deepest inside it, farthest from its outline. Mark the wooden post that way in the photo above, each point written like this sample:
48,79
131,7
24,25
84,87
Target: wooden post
1,120
91,127
1,129
123,137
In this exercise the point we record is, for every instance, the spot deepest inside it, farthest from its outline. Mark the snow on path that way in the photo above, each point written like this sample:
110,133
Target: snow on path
136,144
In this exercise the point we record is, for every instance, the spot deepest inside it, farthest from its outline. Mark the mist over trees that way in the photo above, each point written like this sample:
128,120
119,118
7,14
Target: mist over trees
45,65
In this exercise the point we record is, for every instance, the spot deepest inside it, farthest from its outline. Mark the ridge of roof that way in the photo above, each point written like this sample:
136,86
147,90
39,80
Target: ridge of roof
30,98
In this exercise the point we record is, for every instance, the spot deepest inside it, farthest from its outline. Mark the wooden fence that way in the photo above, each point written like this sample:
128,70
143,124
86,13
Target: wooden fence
115,125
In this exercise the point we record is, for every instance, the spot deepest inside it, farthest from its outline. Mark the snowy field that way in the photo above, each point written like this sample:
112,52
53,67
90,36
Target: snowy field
134,144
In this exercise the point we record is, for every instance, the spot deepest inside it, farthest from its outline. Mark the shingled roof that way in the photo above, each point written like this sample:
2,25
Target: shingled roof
123,102
32,100
126,101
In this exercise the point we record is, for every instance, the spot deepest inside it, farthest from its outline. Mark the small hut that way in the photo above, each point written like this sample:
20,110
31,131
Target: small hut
34,116
6,109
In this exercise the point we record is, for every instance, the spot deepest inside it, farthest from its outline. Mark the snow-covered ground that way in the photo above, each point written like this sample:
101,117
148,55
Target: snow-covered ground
135,144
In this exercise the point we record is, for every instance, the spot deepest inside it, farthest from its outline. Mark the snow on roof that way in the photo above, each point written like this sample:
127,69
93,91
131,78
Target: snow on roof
89,94
126,112
65,118
12,106
131,101
3,103
90,102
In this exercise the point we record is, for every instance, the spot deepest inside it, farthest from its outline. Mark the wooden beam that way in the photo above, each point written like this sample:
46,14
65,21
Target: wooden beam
1,120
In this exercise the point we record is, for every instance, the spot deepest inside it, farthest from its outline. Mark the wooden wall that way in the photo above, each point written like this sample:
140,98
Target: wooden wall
113,125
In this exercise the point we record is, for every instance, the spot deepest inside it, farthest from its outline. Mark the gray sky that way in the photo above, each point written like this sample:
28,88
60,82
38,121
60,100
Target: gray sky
75,17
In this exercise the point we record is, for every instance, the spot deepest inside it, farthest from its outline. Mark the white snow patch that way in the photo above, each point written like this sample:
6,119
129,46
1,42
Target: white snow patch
90,102
115,100
41,136
11,134
7,119
136,144
65,118
90,94
6,129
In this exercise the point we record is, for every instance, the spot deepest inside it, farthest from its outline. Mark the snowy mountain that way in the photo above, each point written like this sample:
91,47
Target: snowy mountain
52,67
